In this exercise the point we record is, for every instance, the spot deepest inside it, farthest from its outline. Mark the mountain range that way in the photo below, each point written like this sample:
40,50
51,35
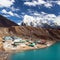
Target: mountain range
40,23
9,28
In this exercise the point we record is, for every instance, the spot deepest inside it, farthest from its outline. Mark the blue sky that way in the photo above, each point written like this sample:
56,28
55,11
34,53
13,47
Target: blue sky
18,10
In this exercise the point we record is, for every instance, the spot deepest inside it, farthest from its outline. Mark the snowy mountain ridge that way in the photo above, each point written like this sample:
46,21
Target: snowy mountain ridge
40,21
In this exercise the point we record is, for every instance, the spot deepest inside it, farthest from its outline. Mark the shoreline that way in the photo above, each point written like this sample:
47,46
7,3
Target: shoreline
32,48
27,48
16,51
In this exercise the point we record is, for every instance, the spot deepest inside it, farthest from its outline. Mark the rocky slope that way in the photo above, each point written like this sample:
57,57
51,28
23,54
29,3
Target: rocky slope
8,27
27,32
53,34
4,22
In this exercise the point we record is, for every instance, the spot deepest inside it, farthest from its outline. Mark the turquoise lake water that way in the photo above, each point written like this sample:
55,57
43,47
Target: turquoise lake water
50,53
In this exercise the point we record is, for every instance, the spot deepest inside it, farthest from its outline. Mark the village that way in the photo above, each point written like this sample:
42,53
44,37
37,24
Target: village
14,43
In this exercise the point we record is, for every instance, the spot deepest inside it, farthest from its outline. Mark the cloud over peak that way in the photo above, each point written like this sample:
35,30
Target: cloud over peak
47,3
6,3
39,18
10,13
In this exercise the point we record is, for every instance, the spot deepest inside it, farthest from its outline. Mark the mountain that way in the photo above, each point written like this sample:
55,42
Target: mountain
4,22
40,23
9,28
31,32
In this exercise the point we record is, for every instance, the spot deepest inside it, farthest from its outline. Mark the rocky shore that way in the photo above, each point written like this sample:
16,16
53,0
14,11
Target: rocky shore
6,50
39,46
3,55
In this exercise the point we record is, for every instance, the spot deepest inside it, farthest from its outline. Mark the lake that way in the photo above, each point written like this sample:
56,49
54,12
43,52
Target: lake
50,53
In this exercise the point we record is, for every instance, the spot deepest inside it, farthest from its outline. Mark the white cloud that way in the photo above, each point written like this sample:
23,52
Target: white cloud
30,3
10,13
27,19
36,14
34,3
6,3
16,15
57,20
41,2
43,17
23,13
14,9
43,13
6,12
47,3
6,15
9,4
19,22
58,2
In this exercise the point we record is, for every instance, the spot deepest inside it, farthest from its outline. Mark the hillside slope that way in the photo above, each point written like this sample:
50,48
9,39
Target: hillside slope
33,32
44,33
8,27
4,22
